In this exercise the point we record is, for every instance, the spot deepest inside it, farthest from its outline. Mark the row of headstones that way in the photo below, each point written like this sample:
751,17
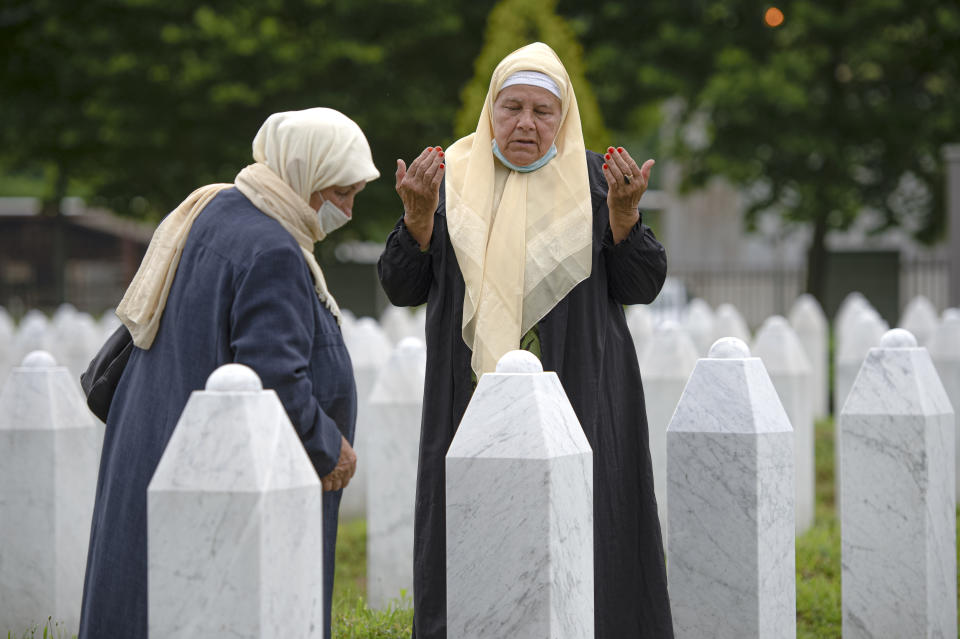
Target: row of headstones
234,506
71,336
394,425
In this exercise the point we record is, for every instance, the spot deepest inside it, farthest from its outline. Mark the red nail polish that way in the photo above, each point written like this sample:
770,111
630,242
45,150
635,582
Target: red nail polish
607,156
620,149
441,153
610,150
441,166
439,148
604,166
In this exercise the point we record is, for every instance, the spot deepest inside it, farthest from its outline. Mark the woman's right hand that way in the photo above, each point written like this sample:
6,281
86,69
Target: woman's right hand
419,189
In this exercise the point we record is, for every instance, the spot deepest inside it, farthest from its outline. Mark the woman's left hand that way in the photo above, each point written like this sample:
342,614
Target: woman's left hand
626,184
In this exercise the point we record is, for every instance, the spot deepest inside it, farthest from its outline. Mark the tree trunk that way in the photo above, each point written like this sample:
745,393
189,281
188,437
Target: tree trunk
817,260
57,292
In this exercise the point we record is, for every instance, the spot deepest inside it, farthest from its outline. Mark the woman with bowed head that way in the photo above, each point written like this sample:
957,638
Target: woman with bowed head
230,276
518,237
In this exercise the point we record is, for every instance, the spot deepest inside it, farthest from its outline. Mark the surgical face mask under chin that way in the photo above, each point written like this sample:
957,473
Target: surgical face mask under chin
331,217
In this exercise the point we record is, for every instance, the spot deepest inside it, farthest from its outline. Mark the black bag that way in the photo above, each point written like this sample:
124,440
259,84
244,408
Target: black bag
99,381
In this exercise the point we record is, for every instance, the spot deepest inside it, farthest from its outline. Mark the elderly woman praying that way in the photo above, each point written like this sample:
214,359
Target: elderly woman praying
517,236
230,276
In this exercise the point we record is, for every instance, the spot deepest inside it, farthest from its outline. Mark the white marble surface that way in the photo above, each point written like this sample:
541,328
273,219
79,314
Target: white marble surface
641,326
398,322
729,322
852,304
7,334
779,347
698,321
369,349
48,476
730,554
235,520
944,348
863,332
665,369
920,318
810,323
75,338
393,445
519,498
898,525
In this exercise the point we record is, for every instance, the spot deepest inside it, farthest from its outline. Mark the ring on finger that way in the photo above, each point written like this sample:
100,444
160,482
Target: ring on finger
626,178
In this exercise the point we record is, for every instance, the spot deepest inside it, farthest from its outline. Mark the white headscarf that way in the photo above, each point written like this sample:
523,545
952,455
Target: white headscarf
297,154
523,252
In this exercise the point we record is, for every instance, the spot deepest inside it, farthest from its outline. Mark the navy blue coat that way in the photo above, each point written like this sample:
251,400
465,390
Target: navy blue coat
584,338
242,293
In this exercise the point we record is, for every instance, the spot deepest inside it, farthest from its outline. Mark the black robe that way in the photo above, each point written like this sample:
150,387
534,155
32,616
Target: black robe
584,338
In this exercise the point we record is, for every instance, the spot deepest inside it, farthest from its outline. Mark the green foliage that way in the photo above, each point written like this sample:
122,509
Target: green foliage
144,100
841,109
516,23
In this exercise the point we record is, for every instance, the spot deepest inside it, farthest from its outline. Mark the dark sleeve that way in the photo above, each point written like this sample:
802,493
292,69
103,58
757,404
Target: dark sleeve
405,271
636,267
272,331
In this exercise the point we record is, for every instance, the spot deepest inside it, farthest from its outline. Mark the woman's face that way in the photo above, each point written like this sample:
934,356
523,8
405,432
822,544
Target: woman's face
341,196
525,122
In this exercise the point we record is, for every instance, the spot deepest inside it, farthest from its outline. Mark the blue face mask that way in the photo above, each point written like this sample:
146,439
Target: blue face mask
549,155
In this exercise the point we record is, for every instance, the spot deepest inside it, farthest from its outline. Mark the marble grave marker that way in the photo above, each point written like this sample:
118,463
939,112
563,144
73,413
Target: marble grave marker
730,554
235,520
519,498
898,522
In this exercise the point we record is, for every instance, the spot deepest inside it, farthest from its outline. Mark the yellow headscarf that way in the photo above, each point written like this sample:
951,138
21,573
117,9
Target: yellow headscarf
520,255
297,153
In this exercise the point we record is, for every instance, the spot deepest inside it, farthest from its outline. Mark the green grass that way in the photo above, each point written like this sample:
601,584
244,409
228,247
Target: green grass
818,573
351,617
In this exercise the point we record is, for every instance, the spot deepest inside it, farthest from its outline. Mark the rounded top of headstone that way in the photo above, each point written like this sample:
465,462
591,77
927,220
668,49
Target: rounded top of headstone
729,348
776,322
519,362
668,326
951,315
898,338
39,359
410,344
233,378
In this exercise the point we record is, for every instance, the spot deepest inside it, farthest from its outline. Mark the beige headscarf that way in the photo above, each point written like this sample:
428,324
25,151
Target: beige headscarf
523,252
297,153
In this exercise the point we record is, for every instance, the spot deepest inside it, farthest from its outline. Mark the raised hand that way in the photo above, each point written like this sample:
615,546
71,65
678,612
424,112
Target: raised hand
626,184
419,189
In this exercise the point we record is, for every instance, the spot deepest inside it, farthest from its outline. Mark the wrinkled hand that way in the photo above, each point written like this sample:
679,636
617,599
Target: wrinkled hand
340,476
623,198
419,189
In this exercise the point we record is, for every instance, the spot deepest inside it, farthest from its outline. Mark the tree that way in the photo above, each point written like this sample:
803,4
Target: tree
144,100
516,23
842,108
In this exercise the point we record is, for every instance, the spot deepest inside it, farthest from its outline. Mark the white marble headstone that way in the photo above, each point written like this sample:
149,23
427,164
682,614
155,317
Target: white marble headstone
7,333
863,333
33,334
728,322
369,349
393,447
519,498
698,320
898,523
810,323
920,318
48,478
235,520
665,369
730,554
640,324
786,362
852,304
944,348
397,322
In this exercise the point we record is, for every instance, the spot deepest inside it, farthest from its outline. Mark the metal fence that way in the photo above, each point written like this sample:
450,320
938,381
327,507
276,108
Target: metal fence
760,293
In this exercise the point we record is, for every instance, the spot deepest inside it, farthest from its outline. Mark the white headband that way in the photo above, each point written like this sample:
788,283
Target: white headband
533,78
